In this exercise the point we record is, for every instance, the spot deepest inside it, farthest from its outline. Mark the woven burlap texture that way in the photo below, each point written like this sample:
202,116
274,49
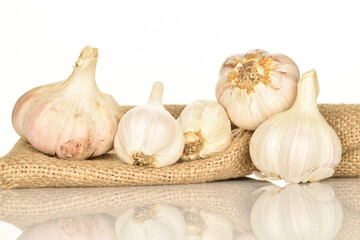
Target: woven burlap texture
24,167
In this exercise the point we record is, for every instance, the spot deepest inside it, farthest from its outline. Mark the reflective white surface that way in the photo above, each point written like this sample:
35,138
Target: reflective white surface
239,209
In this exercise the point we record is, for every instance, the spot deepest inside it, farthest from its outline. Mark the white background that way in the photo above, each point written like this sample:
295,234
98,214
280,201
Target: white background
181,43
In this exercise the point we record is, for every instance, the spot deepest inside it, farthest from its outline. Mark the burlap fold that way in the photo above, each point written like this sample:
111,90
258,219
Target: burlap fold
24,167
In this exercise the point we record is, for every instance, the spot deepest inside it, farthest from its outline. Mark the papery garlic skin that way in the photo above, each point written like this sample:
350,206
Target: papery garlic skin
207,225
309,211
71,119
207,129
254,86
297,145
160,222
148,135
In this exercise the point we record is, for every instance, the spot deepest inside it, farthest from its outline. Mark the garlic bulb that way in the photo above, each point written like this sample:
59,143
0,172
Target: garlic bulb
160,222
309,211
207,129
148,135
254,86
71,119
297,145
207,225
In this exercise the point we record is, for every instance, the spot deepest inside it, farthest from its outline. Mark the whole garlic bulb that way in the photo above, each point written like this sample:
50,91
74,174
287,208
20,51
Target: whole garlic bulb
148,135
207,129
309,211
207,225
160,222
254,86
71,119
297,145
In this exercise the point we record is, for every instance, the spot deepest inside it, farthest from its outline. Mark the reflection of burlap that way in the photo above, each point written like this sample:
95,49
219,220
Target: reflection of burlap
348,192
24,167
27,207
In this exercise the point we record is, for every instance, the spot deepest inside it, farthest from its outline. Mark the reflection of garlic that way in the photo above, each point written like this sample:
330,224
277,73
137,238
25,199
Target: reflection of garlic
297,145
89,227
150,222
71,119
148,135
254,86
205,224
207,129
297,212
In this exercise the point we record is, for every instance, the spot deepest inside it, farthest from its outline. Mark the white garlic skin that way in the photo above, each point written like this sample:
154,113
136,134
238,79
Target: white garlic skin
254,86
160,222
149,131
309,211
205,124
297,145
71,119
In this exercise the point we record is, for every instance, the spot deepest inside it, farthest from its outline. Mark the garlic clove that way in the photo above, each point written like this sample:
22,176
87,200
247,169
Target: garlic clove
254,86
71,119
148,135
207,129
317,174
298,145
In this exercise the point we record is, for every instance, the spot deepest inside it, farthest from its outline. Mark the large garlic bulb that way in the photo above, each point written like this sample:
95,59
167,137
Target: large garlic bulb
254,86
87,227
297,212
207,129
160,222
207,225
148,135
297,145
71,119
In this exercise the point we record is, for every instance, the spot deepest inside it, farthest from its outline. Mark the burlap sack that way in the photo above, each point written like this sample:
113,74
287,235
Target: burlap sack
24,167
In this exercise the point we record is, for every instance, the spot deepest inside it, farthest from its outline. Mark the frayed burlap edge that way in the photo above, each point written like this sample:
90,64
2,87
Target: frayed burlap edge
24,167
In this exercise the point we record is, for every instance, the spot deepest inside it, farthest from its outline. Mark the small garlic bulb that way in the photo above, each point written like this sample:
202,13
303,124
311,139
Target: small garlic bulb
207,129
254,86
71,119
148,135
309,211
297,145
160,222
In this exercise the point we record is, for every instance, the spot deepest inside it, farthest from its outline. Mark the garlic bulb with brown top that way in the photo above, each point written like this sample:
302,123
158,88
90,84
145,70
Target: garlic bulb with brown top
148,135
71,119
254,86
207,129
